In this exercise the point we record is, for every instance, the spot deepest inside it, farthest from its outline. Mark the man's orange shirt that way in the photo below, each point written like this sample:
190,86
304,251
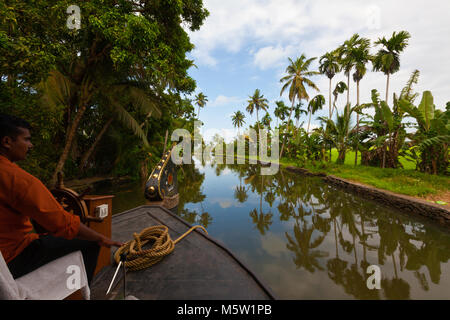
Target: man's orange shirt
22,196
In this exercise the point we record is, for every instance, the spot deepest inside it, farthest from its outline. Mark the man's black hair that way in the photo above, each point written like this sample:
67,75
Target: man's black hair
9,126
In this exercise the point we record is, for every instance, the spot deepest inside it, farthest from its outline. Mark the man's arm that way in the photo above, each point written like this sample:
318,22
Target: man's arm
39,204
86,233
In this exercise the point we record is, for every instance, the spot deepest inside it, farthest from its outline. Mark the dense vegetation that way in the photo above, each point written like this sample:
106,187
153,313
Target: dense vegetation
102,97
410,131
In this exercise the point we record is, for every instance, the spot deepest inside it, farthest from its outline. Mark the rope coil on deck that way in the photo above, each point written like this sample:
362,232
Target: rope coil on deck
138,259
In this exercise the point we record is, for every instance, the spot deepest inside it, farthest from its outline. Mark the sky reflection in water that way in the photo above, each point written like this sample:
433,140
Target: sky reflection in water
309,240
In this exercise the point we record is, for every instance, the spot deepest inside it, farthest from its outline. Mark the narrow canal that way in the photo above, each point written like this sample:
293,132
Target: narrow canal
306,239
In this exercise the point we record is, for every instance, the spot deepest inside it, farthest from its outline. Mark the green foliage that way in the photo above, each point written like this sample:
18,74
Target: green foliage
47,127
238,119
257,102
200,101
309,148
75,74
281,111
433,133
329,64
387,59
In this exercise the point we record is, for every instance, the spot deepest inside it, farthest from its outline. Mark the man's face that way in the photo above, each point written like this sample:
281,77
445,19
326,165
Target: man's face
18,148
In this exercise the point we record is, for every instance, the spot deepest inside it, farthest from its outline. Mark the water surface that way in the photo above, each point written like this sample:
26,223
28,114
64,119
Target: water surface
309,240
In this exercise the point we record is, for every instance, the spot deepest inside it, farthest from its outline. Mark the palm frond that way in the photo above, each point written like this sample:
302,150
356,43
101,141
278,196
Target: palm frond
412,110
434,141
128,120
144,102
407,92
387,115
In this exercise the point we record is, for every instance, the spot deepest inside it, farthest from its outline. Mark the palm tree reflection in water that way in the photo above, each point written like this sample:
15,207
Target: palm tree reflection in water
327,232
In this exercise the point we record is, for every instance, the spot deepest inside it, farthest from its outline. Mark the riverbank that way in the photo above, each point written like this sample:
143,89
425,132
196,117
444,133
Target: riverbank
431,188
408,190
81,185
409,182
438,210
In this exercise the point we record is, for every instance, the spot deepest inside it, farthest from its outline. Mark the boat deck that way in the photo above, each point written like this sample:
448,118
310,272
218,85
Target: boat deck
199,268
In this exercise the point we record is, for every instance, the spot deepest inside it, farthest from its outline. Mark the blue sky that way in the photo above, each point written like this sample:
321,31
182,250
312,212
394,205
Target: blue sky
245,44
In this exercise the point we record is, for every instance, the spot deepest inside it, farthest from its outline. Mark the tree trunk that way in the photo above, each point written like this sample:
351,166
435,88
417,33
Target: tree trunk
387,89
334,106
341,156
143,172
257,119
70,135
434,166
329,98
309,122
284,139
335,238
348,93
364,238
165,141
357,124
384,153
88,154
260,197
393,149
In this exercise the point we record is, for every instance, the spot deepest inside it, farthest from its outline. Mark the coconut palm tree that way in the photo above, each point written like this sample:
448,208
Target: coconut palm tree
340,88
361,56
59,89
329,65
266,120
298,111
255,103
200,100
339,131
240,193
238,119
281,111
347,60
387,59
305,247
261,220
315,105
297,80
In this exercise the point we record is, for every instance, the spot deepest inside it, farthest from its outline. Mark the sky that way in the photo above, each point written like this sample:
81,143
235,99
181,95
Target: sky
245,44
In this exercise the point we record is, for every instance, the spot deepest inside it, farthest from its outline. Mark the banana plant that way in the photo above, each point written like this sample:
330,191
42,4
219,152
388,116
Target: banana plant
433,133
339,131
386,132
380,127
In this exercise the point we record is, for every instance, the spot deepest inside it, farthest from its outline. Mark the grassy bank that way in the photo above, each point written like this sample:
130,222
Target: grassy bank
406,181
403,181
350,159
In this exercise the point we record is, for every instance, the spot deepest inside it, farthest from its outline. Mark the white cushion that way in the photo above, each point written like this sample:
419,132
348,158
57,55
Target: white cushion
54,281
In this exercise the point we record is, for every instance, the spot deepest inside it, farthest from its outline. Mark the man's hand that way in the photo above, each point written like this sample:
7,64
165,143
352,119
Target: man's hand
87,233
108,243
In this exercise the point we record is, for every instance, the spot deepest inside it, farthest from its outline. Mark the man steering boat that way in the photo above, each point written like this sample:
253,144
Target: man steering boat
24,197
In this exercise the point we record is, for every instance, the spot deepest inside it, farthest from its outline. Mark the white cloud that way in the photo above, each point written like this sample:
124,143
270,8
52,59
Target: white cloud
222,100
273,244
224,202
270,31
270,57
